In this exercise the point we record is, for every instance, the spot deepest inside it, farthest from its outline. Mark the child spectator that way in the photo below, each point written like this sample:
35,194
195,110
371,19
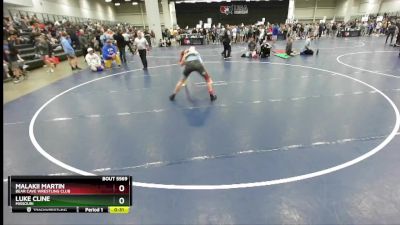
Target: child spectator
93,60
110,54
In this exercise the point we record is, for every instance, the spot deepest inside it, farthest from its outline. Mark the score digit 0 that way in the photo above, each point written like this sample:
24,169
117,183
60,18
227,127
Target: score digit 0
121,188
121,200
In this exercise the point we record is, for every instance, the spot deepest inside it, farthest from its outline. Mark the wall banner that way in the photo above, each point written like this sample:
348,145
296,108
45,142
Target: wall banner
234,9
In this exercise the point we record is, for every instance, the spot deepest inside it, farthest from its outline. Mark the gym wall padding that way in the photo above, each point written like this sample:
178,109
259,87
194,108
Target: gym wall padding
189,14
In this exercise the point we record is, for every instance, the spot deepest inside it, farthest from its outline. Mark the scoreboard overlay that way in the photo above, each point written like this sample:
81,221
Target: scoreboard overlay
70,194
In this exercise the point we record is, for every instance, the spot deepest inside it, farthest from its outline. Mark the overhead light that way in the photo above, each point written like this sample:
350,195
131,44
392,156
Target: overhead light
128,0
117,4
134,3
228,1
108,0
178,2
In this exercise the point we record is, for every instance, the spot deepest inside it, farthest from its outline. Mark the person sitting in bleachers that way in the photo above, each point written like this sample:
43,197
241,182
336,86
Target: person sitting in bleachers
13,57
43,49
110,54
93,60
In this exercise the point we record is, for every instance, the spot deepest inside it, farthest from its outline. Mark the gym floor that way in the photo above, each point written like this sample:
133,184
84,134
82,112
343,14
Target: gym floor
304,140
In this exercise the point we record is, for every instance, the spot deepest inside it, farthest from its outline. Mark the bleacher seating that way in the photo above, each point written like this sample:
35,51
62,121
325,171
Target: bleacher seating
27,52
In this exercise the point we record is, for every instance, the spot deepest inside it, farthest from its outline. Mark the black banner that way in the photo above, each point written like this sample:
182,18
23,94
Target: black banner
235,13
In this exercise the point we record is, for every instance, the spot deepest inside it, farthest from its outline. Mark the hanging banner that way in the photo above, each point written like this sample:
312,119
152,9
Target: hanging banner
364,19
379,18
240,9
224,9
234,9
259,23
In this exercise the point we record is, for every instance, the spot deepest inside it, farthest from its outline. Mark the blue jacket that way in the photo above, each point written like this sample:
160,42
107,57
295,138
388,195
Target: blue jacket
108,50
66,44
275,30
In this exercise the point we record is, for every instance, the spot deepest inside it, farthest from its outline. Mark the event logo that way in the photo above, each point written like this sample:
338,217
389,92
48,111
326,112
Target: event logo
226,9
234,9
240,9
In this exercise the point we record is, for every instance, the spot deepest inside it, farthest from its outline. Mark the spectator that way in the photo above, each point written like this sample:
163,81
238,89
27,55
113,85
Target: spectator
289,45
307,47
108,35
127,39
71,31
65,42
148,37
162,43
43,49
390,32
251,49
83,41
153,36
226,41
265,49
320,29
275,31
143,46
13,58
110,54
168,42
121,44
93,60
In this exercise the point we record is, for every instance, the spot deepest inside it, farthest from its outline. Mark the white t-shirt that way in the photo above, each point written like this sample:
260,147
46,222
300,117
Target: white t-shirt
307,44
141,43
234,32
126,36
93,59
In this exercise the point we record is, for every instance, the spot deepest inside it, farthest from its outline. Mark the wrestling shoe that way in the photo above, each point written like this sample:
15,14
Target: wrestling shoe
172,97
213,97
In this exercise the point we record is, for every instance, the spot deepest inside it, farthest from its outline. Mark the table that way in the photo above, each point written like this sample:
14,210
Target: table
351,33
192,40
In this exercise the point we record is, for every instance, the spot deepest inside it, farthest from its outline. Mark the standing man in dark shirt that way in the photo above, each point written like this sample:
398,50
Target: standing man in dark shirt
71,31
84,41
390,32
334,29
147,37
121,44
320,29
226,41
